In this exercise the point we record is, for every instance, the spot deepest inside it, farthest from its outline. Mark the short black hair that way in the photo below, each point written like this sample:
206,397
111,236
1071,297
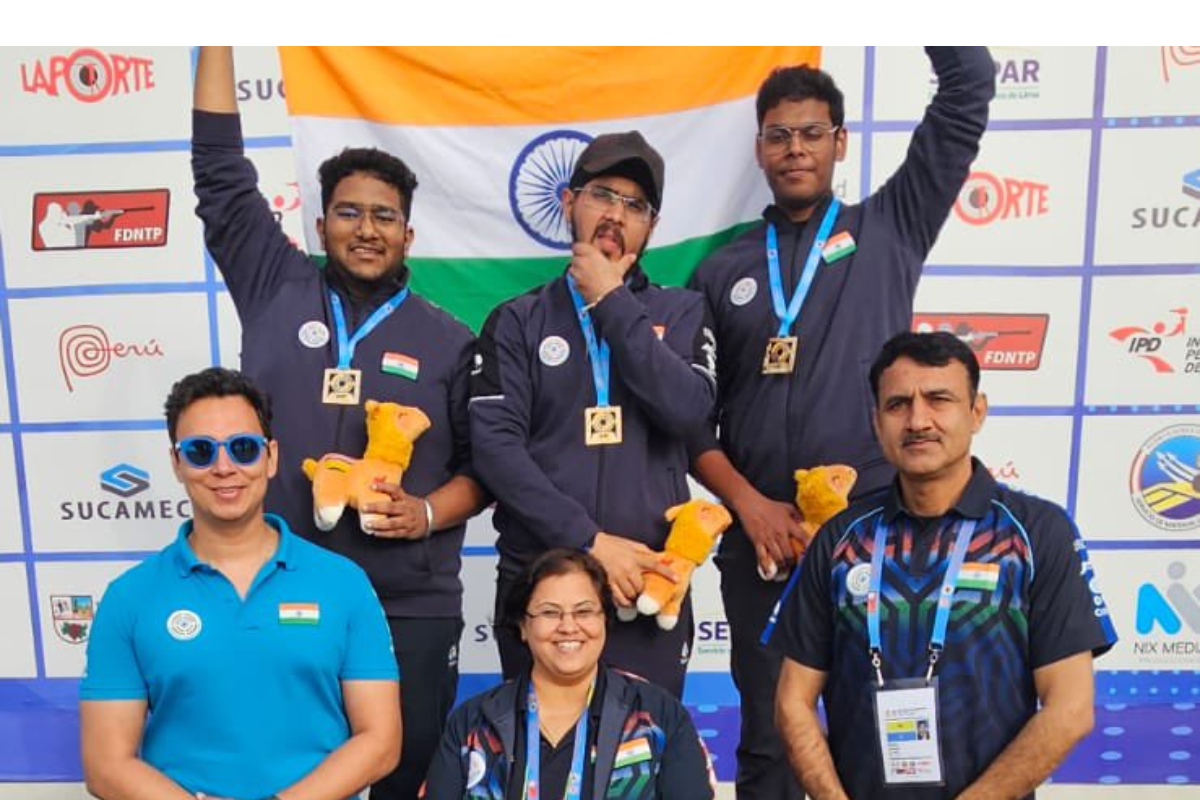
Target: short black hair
370,161
558,561
936,349
216,382
797,84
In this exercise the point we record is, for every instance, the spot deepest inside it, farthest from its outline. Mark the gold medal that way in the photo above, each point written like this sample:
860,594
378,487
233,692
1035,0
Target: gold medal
780,358
341,387
602,425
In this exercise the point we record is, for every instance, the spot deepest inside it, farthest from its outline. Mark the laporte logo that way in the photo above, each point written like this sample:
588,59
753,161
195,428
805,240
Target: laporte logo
88,75
986,198
100,219
1001,341
85,351
124,480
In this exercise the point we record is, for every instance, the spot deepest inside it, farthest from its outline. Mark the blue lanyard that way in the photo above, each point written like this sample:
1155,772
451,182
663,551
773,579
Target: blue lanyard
788,313
966,529
597,350
533,750
346,344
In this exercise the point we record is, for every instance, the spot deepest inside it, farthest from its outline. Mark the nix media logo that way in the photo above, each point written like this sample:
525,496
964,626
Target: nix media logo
1176,58
85,351
1169,609
73,615
88,75
1012,342
1164,480
986,198
1146,342
124,480
100,219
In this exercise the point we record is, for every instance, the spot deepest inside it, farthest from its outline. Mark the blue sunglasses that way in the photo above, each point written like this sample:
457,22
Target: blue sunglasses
200,452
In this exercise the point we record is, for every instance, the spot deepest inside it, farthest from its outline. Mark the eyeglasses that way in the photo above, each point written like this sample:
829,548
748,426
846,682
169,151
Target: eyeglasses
777,138
588,615
381,216
602,198
200,452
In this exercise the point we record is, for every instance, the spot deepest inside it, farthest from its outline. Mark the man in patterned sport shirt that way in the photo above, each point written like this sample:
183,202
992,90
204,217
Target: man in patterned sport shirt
1012,689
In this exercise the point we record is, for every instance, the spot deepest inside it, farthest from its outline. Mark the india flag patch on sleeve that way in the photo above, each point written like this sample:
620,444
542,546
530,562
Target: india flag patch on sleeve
632,752
840,246
400,364
974,575
299,614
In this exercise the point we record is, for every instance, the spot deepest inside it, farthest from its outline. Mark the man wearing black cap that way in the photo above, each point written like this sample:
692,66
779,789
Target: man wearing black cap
583,393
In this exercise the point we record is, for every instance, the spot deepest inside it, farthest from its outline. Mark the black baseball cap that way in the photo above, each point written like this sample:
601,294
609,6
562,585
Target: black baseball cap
627,155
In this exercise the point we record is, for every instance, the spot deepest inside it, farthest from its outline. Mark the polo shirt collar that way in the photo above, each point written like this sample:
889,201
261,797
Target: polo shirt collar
185,557
973,503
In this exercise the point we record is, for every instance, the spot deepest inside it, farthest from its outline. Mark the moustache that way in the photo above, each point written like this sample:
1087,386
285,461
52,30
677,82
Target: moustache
607,228
917,438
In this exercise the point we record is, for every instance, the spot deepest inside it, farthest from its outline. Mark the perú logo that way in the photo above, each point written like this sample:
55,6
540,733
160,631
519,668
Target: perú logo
85,351
986,198
1178,57
535,186
1145,342
88,75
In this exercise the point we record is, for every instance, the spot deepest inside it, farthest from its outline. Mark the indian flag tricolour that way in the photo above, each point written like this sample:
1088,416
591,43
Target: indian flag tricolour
299,614
493,132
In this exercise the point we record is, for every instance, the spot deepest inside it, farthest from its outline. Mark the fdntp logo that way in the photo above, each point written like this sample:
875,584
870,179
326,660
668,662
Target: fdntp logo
100,219
1009,342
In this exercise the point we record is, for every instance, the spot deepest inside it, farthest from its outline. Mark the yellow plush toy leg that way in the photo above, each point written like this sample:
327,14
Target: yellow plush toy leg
668,617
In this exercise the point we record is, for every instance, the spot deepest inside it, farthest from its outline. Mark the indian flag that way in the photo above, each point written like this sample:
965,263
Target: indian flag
493,133
400,364
979,576
839,246
299,614
632,752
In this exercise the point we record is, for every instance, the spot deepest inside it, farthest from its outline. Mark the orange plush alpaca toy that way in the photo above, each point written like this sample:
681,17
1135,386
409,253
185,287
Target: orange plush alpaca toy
821,492
695,527
340,480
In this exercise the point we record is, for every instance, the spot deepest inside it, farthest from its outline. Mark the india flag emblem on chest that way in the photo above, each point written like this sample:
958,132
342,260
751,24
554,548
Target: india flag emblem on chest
299,614
839,246
984,577
632,752
400,364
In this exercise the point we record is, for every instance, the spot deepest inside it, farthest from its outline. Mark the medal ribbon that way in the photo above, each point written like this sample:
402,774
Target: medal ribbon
788,313
533,750
941,618
598,352
346,344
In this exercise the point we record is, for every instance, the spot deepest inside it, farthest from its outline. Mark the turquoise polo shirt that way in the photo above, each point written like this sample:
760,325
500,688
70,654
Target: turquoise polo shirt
244,695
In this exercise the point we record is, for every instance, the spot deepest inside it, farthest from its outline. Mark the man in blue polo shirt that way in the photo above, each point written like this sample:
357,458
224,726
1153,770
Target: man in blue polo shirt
265,659
948,621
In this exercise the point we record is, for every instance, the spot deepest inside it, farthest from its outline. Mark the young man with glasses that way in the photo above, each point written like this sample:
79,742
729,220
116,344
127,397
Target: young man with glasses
323,341
584,394
233,633
802,302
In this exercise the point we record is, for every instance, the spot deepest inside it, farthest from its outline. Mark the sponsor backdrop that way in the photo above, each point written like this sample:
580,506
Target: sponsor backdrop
1070,265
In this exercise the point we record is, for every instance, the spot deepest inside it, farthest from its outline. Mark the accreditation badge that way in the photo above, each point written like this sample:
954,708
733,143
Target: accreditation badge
909,739
602,425
341,386
780,357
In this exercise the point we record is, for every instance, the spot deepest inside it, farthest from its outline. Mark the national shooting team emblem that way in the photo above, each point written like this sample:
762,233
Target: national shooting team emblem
73,615
743,291
1164,481
554,351
858,581
314,334
184,625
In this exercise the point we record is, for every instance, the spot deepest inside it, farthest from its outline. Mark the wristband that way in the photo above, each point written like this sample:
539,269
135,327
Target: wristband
428,517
